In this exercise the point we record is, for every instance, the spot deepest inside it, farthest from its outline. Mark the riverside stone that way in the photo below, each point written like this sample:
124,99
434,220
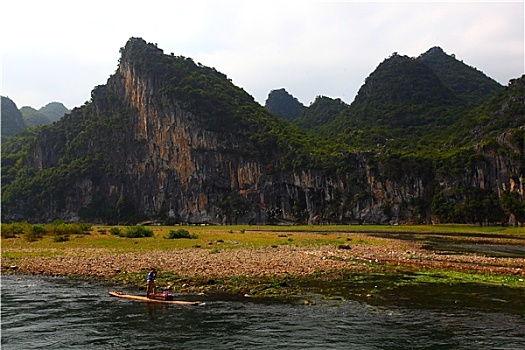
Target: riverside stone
263,262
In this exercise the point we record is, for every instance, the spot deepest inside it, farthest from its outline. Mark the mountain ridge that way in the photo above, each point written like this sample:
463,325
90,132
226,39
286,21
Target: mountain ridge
408,92
284,105
31,117
172,140
480,88
12,119
54,110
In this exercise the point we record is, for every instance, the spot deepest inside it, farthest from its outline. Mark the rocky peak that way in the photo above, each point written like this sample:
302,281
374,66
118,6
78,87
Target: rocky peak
321,112
33,117
138,48
172,140
403,81
54,111
467,83
436,50
12,119
283,104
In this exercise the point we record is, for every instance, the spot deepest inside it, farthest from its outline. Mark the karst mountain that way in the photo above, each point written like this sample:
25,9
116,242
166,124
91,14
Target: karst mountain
427,139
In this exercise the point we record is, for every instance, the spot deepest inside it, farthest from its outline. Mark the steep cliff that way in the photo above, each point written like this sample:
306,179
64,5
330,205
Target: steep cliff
169,139
163,138
484,178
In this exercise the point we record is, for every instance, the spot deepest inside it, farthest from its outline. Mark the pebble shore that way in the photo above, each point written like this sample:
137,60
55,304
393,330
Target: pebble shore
261,262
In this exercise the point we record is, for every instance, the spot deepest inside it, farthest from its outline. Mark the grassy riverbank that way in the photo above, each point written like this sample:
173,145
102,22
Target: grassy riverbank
337,262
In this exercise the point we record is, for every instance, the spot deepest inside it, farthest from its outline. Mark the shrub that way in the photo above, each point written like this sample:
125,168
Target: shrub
85,227
180,233
61,238
65,229
137,232
35,232
6,233
115,231
13,230
38,230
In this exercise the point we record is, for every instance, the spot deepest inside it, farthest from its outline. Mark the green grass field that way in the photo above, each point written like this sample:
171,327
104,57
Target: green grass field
243,236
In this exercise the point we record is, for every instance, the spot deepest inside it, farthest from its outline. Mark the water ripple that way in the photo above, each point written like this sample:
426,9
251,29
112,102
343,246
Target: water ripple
53,313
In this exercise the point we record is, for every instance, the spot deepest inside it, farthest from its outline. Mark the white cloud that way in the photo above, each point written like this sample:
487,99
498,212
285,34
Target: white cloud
61,49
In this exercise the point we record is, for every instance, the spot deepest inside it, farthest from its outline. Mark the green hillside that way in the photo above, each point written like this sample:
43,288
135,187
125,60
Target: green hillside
502,112
468,83
225,108
408,148
32,117
81,140
321,112
400,101
404,102
12,120
284,105
54,111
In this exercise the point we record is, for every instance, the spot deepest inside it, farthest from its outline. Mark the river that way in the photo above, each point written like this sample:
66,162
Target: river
59,313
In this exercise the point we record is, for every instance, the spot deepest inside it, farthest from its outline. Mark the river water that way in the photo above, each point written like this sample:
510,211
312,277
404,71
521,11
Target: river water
58,313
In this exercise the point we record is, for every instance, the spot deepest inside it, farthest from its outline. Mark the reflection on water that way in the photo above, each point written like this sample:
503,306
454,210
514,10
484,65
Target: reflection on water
53,313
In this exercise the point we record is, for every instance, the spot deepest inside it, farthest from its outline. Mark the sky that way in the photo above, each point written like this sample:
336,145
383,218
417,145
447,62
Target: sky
60,50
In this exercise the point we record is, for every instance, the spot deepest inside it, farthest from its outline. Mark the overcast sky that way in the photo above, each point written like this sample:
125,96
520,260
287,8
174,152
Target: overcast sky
60,50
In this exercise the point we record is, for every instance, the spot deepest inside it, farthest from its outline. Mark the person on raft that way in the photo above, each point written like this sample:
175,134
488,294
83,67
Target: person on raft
151,283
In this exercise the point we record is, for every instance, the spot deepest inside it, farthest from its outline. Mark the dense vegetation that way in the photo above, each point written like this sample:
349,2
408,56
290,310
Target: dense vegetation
411,119
58,229
32,117
397,104
226,108
15,120
48,114
80,147
54,111
432,115
284,105
418,115
468,83
321,112
12,120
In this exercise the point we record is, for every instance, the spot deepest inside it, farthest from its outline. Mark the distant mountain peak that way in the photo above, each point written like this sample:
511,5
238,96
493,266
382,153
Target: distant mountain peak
33,117
54,110
402,81
321,112
467,82
12,120
436,50
138,50
168,139
283,104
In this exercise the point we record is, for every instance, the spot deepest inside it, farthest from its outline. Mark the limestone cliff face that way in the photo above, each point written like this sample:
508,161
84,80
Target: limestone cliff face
182,170
189,173
147,150
502,171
